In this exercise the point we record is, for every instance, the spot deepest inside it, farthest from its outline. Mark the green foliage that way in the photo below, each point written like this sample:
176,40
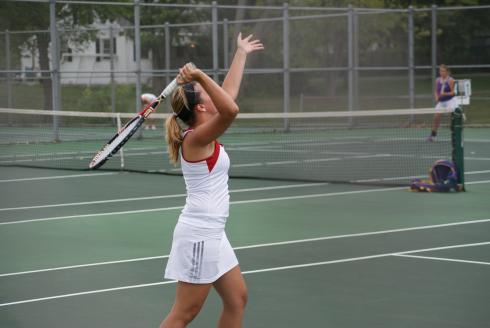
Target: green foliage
98,99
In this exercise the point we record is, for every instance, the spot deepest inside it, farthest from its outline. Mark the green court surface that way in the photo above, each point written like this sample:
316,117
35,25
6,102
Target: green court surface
85,249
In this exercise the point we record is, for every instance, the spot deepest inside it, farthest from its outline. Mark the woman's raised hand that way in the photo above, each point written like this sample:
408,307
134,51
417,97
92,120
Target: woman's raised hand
247,44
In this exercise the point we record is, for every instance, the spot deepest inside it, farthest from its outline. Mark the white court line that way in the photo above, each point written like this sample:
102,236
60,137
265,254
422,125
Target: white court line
297,266
74,153
442,259
161,209
476,140
118,200
477,172
412,177
477,182
280,243
477,158
60,177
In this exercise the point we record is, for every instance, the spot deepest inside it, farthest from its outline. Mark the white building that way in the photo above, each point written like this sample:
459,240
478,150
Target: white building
90,62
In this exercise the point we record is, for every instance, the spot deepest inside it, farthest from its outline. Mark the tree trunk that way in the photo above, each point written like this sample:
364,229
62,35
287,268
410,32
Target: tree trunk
43,46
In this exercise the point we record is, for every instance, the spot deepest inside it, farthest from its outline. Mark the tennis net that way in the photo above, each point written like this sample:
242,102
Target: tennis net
386,147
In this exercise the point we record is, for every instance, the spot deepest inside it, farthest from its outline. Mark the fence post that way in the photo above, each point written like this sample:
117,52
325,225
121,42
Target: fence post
411,78
7,62
225,44
137,45
285,54
113,84
55,68
355,48
214,14
434,48
167,53
350,59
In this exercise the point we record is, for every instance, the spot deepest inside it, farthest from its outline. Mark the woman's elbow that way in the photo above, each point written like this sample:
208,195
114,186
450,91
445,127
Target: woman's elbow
233,111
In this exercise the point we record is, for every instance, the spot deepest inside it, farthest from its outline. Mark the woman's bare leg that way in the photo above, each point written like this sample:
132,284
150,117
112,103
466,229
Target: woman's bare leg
189,299
233,291
435,123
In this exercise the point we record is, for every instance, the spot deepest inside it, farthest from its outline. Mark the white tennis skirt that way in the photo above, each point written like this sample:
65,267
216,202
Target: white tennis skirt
199,255
447,105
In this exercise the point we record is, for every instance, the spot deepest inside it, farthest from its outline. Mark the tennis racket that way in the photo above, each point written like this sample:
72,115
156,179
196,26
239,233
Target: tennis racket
124,134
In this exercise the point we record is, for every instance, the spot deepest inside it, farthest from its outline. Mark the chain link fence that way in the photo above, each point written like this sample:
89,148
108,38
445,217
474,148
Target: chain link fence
100,56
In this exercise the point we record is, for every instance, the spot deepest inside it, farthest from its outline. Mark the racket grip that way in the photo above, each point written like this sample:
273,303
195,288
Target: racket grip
169,89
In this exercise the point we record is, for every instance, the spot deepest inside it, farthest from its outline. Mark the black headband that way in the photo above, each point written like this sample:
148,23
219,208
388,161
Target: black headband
190,94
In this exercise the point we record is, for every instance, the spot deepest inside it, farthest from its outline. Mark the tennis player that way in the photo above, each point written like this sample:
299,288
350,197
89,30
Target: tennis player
146,99
201,255
444,95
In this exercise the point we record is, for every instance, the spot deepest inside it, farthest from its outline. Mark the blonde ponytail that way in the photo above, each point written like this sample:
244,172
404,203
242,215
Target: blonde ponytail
173,130
173,136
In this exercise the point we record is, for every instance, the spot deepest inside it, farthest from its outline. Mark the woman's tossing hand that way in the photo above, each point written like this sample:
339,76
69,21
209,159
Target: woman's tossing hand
247,44
188,73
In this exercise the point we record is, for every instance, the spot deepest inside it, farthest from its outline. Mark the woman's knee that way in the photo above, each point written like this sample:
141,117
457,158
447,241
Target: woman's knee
188,313
238,301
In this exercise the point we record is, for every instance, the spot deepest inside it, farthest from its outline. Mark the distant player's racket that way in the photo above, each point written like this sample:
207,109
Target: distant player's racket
124,134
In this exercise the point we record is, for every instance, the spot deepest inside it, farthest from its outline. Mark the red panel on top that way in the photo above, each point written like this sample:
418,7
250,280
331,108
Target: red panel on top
213,159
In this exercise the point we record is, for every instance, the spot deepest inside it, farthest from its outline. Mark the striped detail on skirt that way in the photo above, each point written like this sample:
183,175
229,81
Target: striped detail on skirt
197,255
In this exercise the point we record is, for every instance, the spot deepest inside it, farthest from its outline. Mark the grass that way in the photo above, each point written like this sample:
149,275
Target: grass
376,92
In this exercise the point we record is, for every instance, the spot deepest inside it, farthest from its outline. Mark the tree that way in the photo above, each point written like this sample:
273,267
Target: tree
71,19
186,43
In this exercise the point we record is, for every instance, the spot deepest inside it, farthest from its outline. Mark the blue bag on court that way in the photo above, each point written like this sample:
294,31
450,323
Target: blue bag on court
443,177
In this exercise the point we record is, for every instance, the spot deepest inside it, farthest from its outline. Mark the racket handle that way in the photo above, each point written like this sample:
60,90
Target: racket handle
169,89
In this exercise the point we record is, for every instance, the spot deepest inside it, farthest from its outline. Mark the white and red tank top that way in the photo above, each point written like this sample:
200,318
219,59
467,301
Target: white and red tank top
208,201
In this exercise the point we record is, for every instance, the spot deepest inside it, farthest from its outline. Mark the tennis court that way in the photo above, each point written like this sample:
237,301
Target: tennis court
85,249
336,119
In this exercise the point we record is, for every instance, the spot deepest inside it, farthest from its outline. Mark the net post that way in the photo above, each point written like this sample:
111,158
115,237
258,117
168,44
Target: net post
433,48
285,57
167,53
457,121
225,44
55,68
121,151
214,16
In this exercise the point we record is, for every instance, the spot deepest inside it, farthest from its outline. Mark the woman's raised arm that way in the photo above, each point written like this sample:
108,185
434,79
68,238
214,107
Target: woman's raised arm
233,79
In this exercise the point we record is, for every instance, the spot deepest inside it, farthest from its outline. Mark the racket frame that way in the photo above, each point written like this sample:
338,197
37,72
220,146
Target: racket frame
111,148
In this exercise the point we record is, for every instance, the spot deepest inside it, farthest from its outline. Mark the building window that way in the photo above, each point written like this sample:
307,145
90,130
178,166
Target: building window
69,57
103,49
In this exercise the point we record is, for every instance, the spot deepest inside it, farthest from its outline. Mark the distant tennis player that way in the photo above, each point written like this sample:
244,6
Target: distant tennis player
201,255
444,95
146,99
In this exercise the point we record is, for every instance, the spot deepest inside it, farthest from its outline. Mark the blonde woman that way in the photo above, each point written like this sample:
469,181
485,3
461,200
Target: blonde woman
201,255
444,95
